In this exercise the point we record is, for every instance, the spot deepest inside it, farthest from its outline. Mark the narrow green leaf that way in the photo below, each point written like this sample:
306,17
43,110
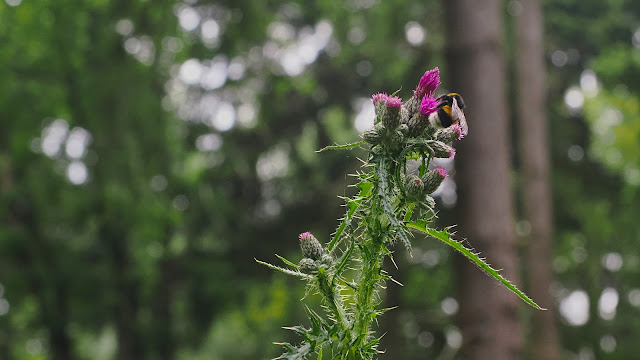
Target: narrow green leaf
353,204
342,147
287,261
445,237
286,271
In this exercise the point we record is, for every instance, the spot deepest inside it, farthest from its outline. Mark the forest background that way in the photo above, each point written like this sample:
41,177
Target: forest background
150,150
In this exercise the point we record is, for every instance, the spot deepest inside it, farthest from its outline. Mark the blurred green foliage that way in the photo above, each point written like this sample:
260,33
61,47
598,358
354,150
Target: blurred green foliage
139,244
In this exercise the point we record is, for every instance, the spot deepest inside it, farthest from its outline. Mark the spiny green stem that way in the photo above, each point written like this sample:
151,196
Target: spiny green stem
370,277
335,304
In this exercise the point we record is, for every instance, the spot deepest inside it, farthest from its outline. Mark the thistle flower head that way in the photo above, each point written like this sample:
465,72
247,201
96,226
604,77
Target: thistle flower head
428,105
391,113
447,135
428,83
458,131
379,99
442,172
452,153
415,187
311,247
393,101
441,150
432,179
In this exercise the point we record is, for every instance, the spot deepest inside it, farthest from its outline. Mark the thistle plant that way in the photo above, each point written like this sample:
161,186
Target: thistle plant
393,203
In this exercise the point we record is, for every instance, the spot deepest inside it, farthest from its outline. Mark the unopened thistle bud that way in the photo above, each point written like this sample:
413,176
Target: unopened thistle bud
396,141
415,187
447,135
311,247
411,106
441,150
433,178
307,266
417,124
391,114
326,259
379,100
373,136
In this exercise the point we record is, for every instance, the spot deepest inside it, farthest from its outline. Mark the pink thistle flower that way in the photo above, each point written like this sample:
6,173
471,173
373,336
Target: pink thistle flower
433,178
428,105
442,171
393,101
452,153
428,83
379,99
458,130
391,114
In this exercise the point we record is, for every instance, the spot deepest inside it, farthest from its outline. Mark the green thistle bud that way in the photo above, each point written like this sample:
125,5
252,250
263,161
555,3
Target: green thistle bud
372,137
391,114
405,115
326,259
311,247
415,187
412,106
441,150
376,135
447,135
396,141
307,266
432,179
417,124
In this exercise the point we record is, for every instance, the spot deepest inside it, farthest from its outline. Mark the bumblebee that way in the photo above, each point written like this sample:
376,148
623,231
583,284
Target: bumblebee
449,111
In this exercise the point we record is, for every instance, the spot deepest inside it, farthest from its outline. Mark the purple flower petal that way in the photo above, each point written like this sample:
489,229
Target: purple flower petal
394,101
428,105
379,98
428,83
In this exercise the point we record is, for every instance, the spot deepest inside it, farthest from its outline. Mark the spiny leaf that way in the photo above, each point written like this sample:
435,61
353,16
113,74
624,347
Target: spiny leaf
341,147
295,352
445,237
353,204
286,261
286,271
344,260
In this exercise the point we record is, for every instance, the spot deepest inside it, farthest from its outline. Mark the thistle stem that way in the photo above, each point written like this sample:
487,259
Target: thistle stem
335,303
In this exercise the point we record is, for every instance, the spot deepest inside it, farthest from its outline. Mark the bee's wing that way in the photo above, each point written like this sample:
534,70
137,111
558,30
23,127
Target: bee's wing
458,115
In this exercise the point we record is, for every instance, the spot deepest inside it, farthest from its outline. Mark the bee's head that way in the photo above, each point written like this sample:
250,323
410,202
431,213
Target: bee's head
458,98
447,99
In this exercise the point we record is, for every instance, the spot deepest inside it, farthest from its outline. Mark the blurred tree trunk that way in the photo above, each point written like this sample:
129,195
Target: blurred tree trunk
536,190
488,315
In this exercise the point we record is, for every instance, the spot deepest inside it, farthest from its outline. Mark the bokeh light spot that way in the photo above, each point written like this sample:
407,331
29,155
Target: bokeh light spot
209,142
575,308
608,303
188,18
4,307
77,173
415,33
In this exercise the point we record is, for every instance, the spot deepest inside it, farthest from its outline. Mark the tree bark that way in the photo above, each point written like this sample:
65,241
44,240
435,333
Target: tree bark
536,192
488,312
